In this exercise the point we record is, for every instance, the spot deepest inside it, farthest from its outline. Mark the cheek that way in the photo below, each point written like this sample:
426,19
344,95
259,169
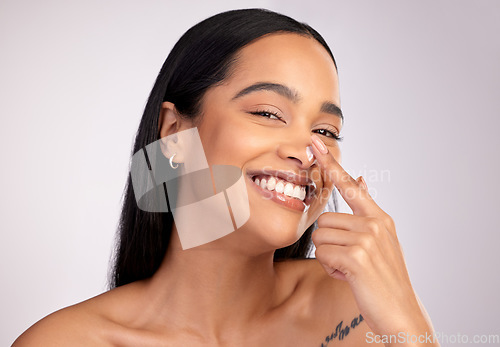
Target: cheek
228,142
221,143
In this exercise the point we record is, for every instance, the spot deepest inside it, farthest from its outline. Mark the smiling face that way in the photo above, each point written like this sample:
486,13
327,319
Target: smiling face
283,88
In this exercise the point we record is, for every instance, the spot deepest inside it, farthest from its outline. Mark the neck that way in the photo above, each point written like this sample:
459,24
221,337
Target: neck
214,288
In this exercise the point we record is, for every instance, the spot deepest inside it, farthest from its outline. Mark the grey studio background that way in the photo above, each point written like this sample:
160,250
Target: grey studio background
419,84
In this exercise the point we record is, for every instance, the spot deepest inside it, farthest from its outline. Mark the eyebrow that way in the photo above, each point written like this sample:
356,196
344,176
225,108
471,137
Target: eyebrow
290,94
281,89
331,108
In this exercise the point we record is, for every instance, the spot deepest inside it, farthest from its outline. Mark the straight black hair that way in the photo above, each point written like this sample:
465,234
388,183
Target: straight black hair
201,59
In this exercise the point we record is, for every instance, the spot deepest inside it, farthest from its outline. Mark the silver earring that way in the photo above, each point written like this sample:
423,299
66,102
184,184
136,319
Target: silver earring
171,163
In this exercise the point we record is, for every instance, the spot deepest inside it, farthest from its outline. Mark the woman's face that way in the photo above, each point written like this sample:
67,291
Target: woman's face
265,130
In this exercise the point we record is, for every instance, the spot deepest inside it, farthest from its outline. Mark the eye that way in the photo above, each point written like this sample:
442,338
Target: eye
329,133
267,114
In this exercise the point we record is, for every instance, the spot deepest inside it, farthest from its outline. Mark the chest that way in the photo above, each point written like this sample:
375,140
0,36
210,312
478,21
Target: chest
321,331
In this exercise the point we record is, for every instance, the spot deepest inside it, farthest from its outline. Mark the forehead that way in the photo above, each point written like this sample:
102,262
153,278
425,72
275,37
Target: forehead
297,61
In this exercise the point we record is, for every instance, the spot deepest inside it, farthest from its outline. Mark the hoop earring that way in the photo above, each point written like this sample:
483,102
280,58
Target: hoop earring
171,163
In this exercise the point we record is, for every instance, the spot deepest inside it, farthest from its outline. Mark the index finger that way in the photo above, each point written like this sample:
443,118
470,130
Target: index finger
351,191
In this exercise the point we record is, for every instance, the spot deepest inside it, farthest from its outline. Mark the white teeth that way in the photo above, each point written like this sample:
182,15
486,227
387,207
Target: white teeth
296,192
302,195
280,187
283,187
263,183
288,189
271,184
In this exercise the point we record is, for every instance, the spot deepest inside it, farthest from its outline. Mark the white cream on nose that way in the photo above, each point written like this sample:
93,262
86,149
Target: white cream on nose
309,153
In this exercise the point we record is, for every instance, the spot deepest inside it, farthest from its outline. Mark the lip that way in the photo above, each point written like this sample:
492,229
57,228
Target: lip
281,198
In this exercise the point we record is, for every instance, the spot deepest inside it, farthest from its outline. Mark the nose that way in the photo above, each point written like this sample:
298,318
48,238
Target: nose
297,152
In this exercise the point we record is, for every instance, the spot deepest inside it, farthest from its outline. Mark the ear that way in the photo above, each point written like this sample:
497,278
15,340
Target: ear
169,123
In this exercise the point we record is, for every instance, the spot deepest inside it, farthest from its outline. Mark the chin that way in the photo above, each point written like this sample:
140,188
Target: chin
275,230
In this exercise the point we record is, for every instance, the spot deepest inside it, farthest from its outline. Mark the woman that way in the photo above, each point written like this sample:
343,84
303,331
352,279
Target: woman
261,90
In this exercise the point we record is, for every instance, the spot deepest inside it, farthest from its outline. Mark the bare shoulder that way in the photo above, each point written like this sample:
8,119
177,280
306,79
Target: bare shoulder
69,326
321,294
87,323
309,277
327,304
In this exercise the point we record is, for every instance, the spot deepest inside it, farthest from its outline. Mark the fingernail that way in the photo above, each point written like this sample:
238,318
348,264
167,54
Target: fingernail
309,153
319,144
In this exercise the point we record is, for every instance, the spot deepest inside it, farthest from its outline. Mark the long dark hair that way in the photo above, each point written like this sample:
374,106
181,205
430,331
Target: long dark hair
202,58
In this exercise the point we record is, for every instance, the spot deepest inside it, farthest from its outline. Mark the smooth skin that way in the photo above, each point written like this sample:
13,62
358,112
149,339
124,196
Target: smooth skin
230,292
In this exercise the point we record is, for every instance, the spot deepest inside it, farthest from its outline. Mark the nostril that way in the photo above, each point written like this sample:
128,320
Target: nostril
295,158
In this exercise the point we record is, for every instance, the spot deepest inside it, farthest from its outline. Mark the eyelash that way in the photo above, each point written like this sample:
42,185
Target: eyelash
268,114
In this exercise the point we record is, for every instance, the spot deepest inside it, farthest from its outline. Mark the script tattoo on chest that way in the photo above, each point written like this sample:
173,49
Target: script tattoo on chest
340,331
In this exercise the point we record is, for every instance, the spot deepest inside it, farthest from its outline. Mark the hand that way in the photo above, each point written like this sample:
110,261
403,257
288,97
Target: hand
363,249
